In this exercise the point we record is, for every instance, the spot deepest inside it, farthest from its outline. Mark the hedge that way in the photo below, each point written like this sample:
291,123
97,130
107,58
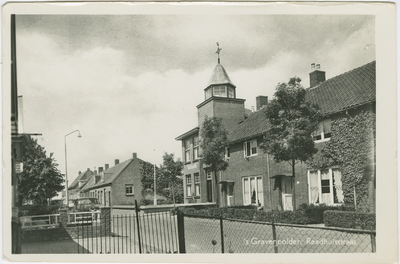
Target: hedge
28,210
354,220
306,214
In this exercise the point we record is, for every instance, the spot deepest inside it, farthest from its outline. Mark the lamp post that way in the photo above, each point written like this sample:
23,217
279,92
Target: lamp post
66,167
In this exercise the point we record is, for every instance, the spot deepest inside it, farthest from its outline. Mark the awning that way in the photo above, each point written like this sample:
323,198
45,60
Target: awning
280,175
225,181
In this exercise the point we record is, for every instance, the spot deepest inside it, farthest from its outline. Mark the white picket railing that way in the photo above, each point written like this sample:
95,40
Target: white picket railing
83,217
36,221
53,220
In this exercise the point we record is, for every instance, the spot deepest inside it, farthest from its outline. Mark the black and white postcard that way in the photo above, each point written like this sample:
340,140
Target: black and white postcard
234,132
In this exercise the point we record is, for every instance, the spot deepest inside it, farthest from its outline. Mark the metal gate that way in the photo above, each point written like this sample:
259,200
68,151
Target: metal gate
139,233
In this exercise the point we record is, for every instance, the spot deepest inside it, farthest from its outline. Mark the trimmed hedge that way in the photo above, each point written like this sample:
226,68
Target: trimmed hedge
354,220
306,214
28,210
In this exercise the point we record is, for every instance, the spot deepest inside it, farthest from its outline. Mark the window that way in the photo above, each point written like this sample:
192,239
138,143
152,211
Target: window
220,91
189,185
128,189
325,186
148,186
227,153
196,184
231,92
253,191
187,150
208,93
323,131
250,148
195,148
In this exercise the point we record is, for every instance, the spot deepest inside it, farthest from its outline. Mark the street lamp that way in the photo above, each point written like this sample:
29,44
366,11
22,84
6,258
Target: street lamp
66,174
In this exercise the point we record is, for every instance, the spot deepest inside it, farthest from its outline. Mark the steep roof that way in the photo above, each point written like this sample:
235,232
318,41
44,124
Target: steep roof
112,173
82,176
255,125
350,89
347,90
219,76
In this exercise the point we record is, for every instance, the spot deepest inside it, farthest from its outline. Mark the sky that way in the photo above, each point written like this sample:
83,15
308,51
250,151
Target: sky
131,83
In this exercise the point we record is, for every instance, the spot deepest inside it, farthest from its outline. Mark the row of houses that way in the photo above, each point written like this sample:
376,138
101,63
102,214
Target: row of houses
252,177
121,184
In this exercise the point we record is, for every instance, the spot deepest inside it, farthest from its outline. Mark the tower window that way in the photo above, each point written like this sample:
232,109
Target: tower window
231,92
208,93
220,91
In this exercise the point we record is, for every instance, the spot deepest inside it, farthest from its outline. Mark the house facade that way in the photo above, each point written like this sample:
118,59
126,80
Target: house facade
252,177
75,187
121,184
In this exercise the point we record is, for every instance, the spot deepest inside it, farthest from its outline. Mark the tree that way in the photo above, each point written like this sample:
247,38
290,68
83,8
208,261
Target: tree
168,177
40,179
292,120
213,143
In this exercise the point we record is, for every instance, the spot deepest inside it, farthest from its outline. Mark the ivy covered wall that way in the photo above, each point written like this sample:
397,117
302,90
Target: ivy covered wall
352,149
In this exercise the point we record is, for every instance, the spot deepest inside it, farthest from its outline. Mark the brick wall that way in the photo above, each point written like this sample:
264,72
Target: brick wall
131,175
240,167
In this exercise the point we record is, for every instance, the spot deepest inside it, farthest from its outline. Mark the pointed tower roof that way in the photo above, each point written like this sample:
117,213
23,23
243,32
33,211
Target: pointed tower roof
219,76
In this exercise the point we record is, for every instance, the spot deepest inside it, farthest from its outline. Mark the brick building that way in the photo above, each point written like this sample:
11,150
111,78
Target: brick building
252,176
75,187
118,185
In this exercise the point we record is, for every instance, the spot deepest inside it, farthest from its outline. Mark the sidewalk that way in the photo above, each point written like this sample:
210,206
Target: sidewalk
53,247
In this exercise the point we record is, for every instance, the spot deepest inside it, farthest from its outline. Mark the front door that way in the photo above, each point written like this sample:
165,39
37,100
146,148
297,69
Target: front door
287,193
209,190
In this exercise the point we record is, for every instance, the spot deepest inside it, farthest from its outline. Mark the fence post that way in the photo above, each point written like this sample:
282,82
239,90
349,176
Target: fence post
138,227
181,231
105,212
222,233
373,242
274,236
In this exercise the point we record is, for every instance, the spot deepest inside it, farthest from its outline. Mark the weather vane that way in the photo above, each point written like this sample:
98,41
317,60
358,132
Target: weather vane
218,51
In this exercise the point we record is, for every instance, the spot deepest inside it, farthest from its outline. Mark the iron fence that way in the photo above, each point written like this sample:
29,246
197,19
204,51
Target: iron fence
218,235
138,233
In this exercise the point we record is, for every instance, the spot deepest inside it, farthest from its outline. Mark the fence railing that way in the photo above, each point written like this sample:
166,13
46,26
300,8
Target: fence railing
83,217
129,234
37,221
223,235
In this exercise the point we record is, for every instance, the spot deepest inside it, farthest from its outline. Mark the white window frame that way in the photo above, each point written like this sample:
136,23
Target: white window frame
196,148
227,153
331,187
252,144
322,127
188,185
187,143
261,199
197,190
126,190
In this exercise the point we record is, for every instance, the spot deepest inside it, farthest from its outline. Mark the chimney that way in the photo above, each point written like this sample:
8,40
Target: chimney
100,170
261,101
88,169
97,178
134,155
316,76
106,166
116,161
79,172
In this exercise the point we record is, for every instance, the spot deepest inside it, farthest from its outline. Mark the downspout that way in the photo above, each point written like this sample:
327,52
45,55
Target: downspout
269,182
